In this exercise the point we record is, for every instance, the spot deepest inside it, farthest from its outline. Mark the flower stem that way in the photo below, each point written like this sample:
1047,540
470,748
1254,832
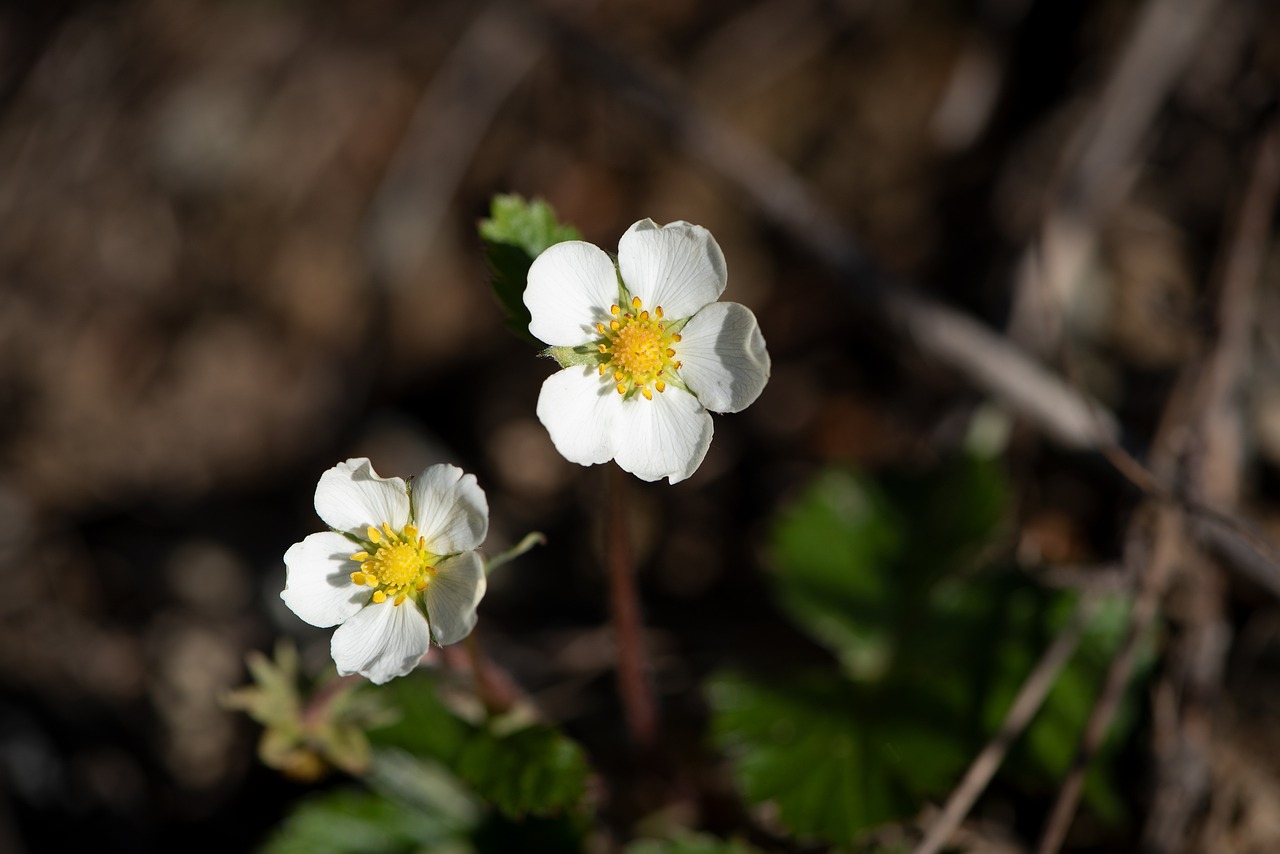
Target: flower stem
633,663
489,693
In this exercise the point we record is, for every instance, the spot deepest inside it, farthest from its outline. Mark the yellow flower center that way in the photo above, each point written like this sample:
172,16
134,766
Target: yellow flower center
399,566
638,350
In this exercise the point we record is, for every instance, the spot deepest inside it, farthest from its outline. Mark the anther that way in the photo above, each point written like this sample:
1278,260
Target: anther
401,598
602,369
379,597
670,353
386,529
410,532
360,557
635,303
357,578
613,309
676,337
658,312
374,534
618,376
660,386
644,315
648,395
420,586
622,389
600,328
603,348
615,325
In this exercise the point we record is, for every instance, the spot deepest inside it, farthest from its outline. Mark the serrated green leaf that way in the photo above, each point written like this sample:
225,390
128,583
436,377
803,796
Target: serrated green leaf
818,749
516,232
535,771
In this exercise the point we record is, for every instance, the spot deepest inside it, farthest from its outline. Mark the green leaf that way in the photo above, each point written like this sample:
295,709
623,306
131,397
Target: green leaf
821,750
426,726
832,550
516,232
534,771
691,843
356,822
531,771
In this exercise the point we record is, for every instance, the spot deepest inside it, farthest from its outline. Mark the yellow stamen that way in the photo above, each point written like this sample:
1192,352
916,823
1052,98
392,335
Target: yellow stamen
676,338
636,349
401,598
660,386
379,597
357,578
421,585
360,557
386,529
374,534
410,532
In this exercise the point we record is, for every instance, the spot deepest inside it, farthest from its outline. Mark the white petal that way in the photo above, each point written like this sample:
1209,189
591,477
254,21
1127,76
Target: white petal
318,584
351,496
677,266
381,642
664,437
450,509
725,362
570,288
577,407
452,597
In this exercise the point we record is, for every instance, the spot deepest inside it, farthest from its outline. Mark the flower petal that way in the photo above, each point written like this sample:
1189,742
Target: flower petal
678,266
570,288
725,362
450,509
351,496
452,597
577,407
381,642
664,437
318,584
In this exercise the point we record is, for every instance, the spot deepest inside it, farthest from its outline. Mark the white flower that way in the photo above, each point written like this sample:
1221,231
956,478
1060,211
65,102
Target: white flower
398,568
652,349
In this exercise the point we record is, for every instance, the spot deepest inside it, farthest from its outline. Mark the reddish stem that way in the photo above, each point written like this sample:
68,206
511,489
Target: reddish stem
633,664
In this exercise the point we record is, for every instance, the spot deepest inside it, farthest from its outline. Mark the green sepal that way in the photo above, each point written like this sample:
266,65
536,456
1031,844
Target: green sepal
516,232
570,357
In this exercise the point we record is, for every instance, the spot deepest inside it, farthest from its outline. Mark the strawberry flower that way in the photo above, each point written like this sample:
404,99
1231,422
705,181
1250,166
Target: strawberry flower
647,351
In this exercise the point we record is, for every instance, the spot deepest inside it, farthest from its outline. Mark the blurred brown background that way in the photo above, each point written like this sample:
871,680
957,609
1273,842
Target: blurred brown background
237,244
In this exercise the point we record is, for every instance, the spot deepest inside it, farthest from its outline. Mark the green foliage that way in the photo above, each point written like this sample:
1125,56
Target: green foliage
516,232
931,653
533,770
691,843
359,822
